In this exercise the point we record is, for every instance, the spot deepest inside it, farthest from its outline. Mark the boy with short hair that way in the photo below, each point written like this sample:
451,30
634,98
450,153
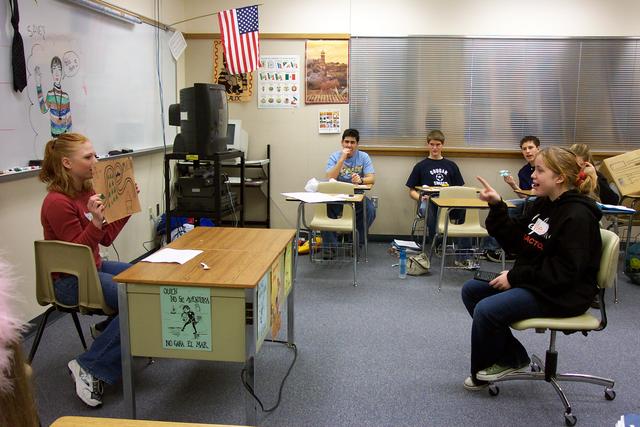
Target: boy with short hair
434,171
350,165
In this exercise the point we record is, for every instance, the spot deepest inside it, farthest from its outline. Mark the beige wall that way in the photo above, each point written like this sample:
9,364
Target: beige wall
298,151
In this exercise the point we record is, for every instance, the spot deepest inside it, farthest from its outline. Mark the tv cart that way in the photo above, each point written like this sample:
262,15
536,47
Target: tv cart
218,213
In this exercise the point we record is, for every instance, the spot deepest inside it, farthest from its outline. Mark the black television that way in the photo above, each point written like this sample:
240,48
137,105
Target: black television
202,116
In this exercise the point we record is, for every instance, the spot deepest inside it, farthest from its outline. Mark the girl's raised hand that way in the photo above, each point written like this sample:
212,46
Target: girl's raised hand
488,194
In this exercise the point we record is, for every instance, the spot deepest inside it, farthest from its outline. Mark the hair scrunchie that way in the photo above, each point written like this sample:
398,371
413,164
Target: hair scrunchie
581,177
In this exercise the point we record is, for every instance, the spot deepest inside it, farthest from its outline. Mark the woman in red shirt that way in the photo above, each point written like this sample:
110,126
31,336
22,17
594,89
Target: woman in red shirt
73,212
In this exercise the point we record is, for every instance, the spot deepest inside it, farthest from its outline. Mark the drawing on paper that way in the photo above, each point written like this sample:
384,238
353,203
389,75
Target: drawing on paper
238,87
115,180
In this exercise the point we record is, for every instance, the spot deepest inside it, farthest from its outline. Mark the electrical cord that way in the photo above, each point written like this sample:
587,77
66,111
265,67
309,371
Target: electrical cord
233,208
252,392
116,251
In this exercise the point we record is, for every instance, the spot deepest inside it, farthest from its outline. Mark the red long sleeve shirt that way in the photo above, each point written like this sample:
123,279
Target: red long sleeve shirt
67,219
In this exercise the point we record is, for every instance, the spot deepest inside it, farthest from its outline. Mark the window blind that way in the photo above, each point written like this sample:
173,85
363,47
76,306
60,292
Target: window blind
490,92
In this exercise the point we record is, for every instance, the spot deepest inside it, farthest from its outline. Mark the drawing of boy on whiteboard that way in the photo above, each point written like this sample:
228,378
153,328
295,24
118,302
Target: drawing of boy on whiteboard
57,101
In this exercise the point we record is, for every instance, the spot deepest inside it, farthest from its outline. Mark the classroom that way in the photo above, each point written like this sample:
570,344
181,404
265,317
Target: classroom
349,339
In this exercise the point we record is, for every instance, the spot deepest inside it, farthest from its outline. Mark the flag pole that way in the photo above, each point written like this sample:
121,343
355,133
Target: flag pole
204,16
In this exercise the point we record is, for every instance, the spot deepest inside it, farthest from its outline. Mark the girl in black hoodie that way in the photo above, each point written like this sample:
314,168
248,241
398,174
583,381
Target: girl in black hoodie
557,246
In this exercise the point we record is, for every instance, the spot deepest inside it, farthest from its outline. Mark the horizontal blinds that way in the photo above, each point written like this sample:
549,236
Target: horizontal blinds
488,93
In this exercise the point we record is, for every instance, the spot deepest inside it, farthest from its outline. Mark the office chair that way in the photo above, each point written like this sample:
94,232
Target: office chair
471,226
585,323
345,224
54,256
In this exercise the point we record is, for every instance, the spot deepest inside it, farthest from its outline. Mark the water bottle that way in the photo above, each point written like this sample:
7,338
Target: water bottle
403,264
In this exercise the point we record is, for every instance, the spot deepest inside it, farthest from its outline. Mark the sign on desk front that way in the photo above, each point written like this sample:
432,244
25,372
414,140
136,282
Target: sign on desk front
186,318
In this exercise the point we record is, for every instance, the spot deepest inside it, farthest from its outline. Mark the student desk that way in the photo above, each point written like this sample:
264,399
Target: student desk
353,199
240,260
455,203
118,422
429,191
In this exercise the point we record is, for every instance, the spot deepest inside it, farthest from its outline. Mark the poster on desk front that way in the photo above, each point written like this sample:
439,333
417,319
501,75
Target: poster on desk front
277,295
279,81
186,318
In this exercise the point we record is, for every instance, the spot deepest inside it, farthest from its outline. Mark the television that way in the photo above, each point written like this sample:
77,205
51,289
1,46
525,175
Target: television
237,138
202,116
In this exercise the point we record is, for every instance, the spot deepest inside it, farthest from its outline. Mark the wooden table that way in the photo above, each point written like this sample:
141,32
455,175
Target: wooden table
119,422
240,260
353,199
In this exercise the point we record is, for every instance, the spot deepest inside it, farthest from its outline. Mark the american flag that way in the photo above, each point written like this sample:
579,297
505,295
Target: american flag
239,32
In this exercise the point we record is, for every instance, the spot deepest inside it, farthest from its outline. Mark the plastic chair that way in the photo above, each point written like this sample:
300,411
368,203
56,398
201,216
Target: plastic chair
345,224
55,256
417,232
584,323
471,226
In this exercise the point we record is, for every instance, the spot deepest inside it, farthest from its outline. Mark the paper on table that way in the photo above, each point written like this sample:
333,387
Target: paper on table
406,244
315,197
179,256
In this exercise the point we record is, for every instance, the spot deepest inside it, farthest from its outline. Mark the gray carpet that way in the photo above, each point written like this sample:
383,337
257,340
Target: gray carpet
388,352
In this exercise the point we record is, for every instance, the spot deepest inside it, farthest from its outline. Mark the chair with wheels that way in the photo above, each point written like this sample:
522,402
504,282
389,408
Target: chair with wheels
584,323
55,256
345,224
446,229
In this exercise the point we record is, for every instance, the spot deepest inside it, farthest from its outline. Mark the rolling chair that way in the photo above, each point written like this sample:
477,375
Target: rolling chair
54,256
585,323
345,224
471,226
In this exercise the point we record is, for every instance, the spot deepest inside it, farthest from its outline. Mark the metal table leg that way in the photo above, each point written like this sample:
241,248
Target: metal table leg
365,229
251,406
444,246
355,245
128,390
290,298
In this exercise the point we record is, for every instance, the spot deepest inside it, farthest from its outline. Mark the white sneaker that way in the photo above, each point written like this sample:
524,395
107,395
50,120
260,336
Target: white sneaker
88,388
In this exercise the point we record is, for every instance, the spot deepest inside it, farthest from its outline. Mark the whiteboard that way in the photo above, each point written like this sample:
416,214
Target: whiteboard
109,75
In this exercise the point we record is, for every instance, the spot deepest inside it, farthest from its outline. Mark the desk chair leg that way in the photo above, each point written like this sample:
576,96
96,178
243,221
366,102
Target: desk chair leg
74,315
444,249
41,326
354,250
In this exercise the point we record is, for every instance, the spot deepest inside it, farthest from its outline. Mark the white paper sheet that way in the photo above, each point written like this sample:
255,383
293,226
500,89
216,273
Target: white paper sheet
177,44
317,197
179,256
409,244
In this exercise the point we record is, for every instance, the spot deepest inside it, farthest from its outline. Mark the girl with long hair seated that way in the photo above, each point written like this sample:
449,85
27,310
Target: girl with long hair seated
557,245
74,213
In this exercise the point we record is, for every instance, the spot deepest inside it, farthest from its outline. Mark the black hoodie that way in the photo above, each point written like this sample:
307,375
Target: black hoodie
557,246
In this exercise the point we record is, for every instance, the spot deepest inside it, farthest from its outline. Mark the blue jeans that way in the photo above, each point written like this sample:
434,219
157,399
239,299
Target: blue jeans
334,210
493,311
102,359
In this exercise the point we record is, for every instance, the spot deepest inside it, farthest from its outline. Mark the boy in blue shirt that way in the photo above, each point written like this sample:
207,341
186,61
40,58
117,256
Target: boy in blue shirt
350,165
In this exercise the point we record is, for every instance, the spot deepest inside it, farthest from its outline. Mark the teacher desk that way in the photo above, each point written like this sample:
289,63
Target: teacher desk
241,306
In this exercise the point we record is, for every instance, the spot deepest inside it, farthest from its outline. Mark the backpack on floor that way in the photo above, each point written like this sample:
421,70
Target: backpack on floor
632,263
417,265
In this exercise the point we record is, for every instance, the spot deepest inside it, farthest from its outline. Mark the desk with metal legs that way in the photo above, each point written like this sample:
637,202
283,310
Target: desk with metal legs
238,260
301,222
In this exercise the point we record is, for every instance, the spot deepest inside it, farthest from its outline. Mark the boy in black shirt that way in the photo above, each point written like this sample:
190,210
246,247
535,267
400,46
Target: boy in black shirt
434,171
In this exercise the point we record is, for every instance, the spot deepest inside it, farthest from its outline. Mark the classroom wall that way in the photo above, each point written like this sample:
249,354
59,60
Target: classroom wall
20,199
299,152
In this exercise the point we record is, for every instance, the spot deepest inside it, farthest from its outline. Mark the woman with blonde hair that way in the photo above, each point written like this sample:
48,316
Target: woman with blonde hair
604,191
557,245
17,407
74,213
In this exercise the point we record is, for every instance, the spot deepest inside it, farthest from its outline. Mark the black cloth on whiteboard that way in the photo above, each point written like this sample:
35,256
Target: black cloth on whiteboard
17,51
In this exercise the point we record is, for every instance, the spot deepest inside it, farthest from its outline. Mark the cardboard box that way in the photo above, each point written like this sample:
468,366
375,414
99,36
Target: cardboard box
624,171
